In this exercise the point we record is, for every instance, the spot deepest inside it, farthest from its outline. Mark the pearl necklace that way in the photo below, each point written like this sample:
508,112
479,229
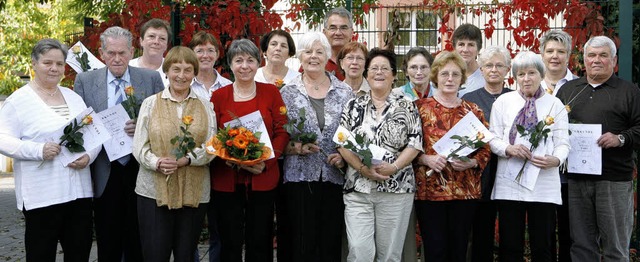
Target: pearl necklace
235,92
45,92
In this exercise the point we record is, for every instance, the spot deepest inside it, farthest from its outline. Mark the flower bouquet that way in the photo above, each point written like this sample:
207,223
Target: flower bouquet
295,128
238,145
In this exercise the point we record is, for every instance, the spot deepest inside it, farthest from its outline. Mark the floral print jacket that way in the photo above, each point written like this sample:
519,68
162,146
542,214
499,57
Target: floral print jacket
314,167
396,129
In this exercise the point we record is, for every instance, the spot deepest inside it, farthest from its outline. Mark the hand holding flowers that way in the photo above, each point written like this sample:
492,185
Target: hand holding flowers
72,139
539,133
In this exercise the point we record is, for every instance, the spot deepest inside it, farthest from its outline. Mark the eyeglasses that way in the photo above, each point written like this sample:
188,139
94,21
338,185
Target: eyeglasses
334,28
205,51
446,75
384,70
491,66
354,58
421,68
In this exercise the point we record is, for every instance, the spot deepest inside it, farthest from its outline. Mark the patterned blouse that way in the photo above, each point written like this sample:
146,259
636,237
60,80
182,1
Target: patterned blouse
397,128
449,184
313,167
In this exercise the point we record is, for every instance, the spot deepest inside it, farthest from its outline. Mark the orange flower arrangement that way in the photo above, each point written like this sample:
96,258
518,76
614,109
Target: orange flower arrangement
238,145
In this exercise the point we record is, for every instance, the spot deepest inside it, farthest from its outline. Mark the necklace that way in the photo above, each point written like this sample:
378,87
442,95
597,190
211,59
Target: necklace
235,92
39,88
316,87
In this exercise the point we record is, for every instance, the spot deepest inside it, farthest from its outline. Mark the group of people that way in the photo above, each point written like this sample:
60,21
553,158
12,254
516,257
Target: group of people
329,203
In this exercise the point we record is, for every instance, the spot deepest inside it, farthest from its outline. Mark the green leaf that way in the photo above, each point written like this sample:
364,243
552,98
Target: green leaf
174,140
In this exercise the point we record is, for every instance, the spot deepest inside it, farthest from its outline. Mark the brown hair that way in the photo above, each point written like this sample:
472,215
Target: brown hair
179,54
443,59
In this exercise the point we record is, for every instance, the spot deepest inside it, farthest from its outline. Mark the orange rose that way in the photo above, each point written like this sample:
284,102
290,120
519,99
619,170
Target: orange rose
187,120
129,90
549,120
240,141
87,120
254,140
279,83
568,108
233,132
283,110
242,130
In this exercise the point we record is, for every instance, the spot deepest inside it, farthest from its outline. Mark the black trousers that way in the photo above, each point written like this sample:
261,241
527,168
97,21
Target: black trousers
245,217
445,227
69,223
564,236
116,216
484,229
540,219
164,231
316,214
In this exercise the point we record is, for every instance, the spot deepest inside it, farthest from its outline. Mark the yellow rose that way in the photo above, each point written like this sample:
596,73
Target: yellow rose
568,108
129,90
549,91
479,136
342,137
283,110
549,120
76,49
87,120
279,83
187,120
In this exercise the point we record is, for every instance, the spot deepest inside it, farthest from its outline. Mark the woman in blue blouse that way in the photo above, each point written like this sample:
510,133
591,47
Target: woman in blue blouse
312,180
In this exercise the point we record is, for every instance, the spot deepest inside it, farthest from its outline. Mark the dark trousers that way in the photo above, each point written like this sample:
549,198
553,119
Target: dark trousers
283,226
115,215
445,228
214,237
316,217
484,230
564,236
163,230
69,223
540,219
245,217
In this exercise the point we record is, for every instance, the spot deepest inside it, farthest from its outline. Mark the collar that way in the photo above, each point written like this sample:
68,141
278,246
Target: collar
166,94
126,76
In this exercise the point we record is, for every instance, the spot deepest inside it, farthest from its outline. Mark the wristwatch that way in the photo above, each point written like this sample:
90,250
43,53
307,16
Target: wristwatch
621,138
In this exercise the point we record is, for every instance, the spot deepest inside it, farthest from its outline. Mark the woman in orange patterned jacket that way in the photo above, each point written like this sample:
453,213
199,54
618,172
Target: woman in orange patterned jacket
446,189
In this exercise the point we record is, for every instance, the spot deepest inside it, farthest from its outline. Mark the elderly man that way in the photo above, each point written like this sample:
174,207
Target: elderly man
338,28
467,42
601,207
115,215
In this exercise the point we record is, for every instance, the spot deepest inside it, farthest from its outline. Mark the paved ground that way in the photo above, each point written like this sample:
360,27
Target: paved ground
12,227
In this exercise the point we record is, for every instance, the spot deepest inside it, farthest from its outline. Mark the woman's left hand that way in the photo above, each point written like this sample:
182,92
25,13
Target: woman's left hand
336,160
254,169
80,163
545,162
459,165
385,169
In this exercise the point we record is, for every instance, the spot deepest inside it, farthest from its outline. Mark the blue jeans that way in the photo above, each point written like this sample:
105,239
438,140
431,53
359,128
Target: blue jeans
601,217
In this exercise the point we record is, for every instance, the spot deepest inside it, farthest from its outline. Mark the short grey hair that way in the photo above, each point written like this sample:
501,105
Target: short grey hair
116,32
243,46
556,35
491,51
526,59
339,11
45,45
307,40
600,41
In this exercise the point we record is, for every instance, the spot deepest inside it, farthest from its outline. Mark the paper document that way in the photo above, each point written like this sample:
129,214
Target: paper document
120,144
585,156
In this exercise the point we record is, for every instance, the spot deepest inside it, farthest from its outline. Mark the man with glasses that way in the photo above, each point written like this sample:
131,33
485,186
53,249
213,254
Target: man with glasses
338,28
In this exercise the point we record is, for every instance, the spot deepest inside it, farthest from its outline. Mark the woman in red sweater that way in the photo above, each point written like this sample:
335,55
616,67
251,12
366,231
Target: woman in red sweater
244,197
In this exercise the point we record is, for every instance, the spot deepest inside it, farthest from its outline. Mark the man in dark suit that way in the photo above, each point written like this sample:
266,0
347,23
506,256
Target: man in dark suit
115,215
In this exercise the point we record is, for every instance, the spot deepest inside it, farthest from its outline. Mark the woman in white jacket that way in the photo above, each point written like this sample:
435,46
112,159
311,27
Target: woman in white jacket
528,194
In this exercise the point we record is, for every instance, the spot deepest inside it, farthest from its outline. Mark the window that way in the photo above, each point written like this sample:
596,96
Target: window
417,28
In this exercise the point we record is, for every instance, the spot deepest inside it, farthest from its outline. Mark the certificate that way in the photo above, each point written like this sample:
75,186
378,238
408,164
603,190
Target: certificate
468,126
94,62
585,156
120,144
93,135
530,172
255,123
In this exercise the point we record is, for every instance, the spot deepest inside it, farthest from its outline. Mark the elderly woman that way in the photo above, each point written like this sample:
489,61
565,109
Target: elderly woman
518,204
447,189
277,46
155,35
378,198
494,62
312,180
244,197
207,50
173,190
555,48
416,65
55,200
351,59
